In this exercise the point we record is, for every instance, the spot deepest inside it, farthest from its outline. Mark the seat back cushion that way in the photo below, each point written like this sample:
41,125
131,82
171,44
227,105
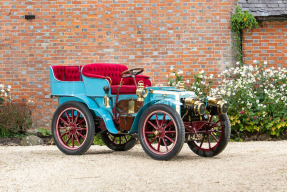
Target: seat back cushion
59,72
107,70
67,73
72,73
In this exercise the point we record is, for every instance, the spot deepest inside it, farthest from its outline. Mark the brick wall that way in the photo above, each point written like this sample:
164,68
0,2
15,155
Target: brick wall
190,35
268,42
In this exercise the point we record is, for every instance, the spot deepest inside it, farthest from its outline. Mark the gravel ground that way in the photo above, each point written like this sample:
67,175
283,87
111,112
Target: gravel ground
247,166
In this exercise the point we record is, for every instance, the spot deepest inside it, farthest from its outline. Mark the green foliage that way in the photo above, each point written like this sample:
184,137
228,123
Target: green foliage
44,132
241,20
15,119
257,99
98,140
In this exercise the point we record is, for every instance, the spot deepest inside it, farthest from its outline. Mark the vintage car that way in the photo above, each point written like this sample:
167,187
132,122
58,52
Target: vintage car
123,107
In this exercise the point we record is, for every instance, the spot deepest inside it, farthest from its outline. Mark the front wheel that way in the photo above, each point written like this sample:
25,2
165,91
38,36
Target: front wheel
161,132
212,138
73,128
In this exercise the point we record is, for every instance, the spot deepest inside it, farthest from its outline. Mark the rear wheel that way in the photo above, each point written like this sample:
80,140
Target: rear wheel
212,138
161,132
73,128
118,142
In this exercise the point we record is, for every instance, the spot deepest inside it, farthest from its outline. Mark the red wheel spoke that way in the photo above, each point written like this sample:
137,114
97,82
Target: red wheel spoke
81,122
163,120
170,131
208,141
64,134
157,122
68,118
120,140
149,132
64,121
214,137
80,128
210,118
69,137
77,117
80,134
62,128
77,138
165,145
202,141
73,141
169,139
152,125
153,140
169,124
158,146
72,115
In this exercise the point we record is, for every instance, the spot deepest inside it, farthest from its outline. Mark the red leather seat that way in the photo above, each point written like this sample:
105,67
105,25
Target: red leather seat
102,70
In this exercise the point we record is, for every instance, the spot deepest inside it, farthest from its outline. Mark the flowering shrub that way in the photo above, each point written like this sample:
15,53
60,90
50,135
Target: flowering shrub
202,84
4,93
15,118
257,98
174,78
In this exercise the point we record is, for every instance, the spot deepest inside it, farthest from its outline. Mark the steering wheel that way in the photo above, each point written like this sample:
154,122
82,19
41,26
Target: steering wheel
132,72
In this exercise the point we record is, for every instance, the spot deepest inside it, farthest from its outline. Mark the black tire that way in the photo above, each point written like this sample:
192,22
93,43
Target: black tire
218,147
118,142
73,120
162,132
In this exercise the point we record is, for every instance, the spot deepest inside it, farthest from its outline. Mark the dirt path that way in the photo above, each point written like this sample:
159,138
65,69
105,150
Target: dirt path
249,166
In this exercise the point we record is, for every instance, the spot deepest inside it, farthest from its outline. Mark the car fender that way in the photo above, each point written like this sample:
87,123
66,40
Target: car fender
92,105
168,101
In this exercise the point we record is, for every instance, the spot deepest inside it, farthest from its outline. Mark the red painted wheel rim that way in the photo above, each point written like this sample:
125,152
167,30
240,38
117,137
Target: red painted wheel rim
71,128
119,139
160,136
210,134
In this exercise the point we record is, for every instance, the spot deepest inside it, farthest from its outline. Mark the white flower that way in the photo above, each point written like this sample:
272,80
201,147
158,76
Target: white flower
172,74
257,101
237,63
171,67
2,90
201,72
255,61
180,72
187,81
8,89
1,85
265,62
166,76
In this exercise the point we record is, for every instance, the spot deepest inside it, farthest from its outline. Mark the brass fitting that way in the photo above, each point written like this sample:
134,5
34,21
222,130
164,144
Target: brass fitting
221,106
106,101
181,85
198,106
141,91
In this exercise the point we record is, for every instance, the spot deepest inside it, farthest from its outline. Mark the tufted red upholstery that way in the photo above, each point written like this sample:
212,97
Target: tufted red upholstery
67,73
72,73
59,72
101,70
106,70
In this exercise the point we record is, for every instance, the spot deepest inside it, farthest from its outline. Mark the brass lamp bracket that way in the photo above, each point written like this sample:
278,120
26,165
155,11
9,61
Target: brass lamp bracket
141,91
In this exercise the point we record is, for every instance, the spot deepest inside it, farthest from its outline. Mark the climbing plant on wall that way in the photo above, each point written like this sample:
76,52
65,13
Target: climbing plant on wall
241,20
